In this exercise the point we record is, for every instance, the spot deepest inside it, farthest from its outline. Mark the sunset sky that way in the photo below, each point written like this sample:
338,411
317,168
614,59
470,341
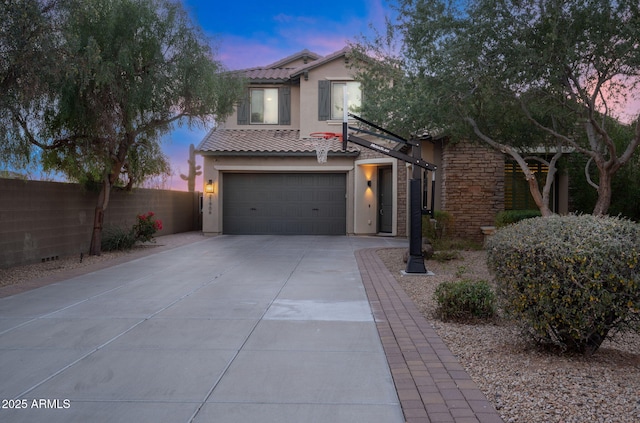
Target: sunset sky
254,33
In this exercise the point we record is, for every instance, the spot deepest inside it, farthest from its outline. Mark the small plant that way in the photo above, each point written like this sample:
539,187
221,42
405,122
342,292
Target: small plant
436,228
115,238
465,300
569,280
146,227
446,255
460,271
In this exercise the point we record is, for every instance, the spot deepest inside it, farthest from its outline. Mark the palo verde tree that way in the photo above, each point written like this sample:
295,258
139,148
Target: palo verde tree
132,70
625,184
524,76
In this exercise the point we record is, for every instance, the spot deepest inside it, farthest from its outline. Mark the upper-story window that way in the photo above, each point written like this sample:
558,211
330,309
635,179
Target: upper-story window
331,98
264,105
271,106
354,98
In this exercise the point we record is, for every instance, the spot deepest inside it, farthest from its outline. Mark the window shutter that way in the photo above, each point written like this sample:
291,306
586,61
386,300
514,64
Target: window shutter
284,105
244,109
324,100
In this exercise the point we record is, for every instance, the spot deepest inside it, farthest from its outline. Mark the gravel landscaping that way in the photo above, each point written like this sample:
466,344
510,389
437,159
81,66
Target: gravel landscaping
17,279
526,384
21,274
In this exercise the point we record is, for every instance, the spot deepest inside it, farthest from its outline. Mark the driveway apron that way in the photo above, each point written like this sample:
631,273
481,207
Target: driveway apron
228,329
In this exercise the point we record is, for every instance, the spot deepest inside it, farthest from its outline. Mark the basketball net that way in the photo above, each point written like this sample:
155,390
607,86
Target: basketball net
322,146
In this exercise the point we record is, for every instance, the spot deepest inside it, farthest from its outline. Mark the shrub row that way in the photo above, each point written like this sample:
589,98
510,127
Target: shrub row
507,217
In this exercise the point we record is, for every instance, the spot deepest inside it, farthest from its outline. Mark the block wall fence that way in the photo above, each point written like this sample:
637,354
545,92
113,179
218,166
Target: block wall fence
43,220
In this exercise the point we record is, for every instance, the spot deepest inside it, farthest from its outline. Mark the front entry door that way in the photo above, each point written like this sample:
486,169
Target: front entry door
385,200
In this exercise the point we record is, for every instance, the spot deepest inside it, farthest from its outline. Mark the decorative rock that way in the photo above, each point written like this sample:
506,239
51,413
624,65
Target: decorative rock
523,383
427,251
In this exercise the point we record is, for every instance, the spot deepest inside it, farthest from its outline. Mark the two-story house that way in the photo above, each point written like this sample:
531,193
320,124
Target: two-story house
262,176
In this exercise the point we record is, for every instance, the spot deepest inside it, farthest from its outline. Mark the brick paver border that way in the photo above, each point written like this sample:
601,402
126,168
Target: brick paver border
432,385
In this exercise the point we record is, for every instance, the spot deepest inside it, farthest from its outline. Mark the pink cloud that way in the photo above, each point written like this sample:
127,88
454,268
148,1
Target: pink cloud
291,33
237,53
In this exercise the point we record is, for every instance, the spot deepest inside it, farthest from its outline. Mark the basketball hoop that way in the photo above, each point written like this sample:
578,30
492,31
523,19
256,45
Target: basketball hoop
322,143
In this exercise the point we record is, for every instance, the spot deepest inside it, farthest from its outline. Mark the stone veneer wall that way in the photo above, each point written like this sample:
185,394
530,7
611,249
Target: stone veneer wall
472,187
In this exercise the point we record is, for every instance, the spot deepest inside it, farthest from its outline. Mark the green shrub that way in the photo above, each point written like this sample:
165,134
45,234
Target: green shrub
569,280
436,230
116,238
465,300
508,217
146,226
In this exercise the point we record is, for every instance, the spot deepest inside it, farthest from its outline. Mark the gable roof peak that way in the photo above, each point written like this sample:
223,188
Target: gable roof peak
344,52
306,56
290,67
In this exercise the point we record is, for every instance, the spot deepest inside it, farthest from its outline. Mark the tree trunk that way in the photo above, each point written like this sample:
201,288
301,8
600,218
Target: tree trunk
541,202
98,218
604,194
96,236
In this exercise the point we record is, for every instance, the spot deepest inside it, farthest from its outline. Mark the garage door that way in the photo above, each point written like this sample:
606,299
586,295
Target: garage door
284,203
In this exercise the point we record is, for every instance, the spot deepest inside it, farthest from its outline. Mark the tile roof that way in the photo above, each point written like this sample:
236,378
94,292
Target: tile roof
278,72
262,141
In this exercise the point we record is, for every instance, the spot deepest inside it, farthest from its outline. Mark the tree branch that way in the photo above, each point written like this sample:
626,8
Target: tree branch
587,176
554,133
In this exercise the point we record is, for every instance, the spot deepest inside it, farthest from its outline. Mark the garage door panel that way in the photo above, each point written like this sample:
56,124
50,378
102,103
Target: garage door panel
285,203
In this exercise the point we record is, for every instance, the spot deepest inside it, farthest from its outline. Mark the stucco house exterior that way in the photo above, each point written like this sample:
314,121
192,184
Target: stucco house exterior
263,175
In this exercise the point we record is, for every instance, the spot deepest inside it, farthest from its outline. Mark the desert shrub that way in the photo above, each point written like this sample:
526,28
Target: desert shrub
508,217
465,299
570,280
116,238
436,228
146,226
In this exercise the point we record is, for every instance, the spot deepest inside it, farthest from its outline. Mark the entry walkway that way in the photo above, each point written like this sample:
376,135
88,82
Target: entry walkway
226,329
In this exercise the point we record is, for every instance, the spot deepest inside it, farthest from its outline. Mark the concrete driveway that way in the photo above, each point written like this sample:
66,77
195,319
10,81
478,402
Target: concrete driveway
227,329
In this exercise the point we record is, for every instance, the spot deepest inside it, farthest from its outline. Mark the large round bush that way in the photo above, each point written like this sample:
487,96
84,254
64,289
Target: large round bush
570,280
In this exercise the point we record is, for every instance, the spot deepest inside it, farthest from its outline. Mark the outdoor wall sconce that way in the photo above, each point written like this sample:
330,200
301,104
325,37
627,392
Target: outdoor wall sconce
208,188
369,183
